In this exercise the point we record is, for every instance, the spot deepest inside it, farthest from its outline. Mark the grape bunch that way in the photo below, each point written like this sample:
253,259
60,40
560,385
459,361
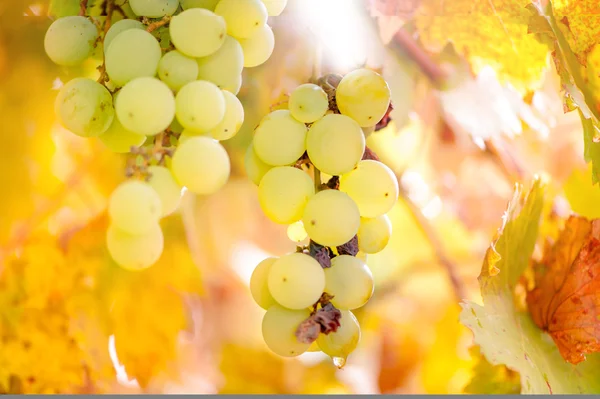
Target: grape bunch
309,295
169,75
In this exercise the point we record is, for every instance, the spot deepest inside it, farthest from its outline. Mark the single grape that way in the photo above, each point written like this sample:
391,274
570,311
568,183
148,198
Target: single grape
275,7
224,67
163,182
296,232
259,287
197,32
258,47
146,106
201,164
283,193
118,27
364,96
374,234
296,281
350,282
331,218
200,106
233,119
279,327
208,4
255,167
243,17
70,40
154,8
133,53
134,207
188,134
373,186
85,107
280,139
177,70
335,144
120,140
345,340
135,251
308,103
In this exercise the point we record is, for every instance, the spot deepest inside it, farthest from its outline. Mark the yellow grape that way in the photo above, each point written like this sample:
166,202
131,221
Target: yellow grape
200,106
120,140
374,234
275,7
154,8
296,281
258,47
118,27
296,232
345,340
259,287
134,207
350,282
364,96
69,40
279,139
279,327
233,119
163,182
135,251
208,4
283,193
223,67
177,70
243,17
197,32
255,167
133,53
308,103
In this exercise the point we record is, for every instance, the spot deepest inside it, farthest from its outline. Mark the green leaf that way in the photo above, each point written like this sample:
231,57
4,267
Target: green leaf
583,196
591,152
63,8
490,379
507,335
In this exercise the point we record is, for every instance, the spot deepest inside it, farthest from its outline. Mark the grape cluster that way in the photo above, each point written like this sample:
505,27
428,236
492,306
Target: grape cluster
167,95
309,294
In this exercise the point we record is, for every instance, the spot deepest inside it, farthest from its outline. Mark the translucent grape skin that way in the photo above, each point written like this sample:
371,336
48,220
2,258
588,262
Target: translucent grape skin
132,54
243,17
133,251
364,96
275,7
154,8
374,234
259,287
120,140
335,144
283,193
194,23
296,281
258,47
232,120
145,106
201,164
118,27
350,282
85,107
280,139
255,167
296,232
373,186
169,192
208,4
331,218
70,40
200,106
279,327
308,103
177,70
223,67
345,340
134,207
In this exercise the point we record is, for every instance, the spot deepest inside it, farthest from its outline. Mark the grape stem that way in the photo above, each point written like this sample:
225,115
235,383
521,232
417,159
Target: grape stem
83,7
432,70
157,24
317,178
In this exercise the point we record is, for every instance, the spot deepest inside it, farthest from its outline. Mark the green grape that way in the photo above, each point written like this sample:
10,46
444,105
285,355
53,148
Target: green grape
163,182
364,96
280,139
146,106
177,70
188,134
134,207
279,327
243,17
331,218
335,144
120,140
70,40
345,340
350,282
255,167
224,67
308,103
85,107
201,164
132,54
208,4
197,32
135,251
259,287
283,193
374,234
373,186
258,47
275,7
121,26
200,106
296,281
233,119
154,8
296,232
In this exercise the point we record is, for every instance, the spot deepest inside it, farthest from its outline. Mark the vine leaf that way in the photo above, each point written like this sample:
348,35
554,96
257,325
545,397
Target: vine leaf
566,298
